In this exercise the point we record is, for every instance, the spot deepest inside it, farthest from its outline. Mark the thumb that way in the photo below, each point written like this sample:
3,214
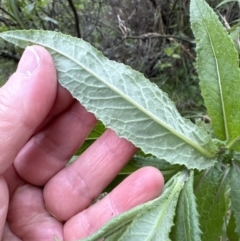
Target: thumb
25,101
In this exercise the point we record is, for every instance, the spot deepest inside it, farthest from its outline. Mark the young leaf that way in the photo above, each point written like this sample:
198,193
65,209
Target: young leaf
150,221
123,100
218,69
186,226
210,196
235,194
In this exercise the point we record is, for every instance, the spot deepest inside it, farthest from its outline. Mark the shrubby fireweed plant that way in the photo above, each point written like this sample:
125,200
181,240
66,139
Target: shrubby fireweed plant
201,198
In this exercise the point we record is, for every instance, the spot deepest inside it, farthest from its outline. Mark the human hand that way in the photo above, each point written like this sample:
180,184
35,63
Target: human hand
41,127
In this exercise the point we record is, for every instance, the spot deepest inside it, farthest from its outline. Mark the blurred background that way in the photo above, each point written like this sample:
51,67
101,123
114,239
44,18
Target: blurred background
152,36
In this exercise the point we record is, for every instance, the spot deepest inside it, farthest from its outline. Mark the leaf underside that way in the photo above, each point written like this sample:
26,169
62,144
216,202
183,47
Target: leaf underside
123,99
218,69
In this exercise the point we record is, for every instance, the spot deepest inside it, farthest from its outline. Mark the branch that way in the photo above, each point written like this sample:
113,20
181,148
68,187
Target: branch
154,3
7,22
41,21
100,23
156,35
9,14
7,55
76,18
96,21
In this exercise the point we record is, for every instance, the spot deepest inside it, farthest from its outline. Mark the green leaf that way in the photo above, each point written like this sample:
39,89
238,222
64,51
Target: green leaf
224,235
235,35
235,194
138,161
48,19
14,8
186,226
231,234
28,9
93,136
218,69
150,221
210,196
226,1
123,100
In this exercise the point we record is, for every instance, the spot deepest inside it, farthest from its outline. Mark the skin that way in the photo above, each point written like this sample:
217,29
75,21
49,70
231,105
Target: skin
41,127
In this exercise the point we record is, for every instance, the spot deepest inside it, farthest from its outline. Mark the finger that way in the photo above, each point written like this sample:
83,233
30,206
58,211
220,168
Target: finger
28,219
62,102
49,150
25,100
13,179
75,187
140,187
3,203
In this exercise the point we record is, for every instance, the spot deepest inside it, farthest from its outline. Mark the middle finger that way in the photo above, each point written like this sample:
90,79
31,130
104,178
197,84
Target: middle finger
75,187
49,150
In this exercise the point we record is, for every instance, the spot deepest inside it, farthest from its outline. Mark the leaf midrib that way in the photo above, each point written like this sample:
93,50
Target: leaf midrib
186,208
179,135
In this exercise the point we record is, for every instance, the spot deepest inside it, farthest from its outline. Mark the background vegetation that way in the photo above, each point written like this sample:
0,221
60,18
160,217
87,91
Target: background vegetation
152,36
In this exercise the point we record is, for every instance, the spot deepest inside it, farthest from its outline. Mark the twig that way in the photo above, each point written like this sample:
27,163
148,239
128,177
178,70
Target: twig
96,21
42,22
7,21
7,55
154,3
9,14
156,35
122,27
76,18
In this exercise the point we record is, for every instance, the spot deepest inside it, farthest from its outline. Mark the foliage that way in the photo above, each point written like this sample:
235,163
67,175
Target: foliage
200,200
7,67
152,36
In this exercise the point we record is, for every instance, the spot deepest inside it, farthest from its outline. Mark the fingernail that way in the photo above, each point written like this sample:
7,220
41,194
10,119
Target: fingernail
28,62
